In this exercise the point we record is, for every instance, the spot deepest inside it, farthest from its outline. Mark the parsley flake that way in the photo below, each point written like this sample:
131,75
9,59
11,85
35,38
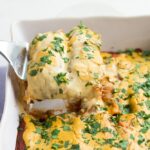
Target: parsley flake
61,78
33,72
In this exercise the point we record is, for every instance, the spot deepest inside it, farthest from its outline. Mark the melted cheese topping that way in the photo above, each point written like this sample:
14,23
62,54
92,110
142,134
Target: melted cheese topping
98,131
118,118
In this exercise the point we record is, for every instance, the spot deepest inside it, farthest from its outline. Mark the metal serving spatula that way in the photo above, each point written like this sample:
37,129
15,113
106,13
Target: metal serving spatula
16,53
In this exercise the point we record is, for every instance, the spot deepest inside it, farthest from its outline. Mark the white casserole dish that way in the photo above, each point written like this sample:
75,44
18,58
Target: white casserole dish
117,33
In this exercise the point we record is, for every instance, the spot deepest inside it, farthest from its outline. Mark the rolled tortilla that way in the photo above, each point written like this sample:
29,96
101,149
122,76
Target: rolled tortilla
47,70
64,66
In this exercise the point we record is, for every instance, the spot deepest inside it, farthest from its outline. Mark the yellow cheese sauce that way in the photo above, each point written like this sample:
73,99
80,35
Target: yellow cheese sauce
118,118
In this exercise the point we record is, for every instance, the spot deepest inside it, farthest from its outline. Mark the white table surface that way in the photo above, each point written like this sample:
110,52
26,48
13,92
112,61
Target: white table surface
14,10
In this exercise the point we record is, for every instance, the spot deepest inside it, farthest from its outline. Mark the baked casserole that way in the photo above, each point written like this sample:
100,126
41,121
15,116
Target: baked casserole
107,94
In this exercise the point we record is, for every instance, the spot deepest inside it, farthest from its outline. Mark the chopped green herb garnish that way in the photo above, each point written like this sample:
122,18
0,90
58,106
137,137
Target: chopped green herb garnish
55,133
109,141
86,141
107,60
69,33
137,66
33,72
90,56
128,51
38,142
88,36
57,45
123,90
96,75
66,60
88,84
45,59
116,90
132,137
44,134
146,52
85,48
34,41
41,38
115,119
145,126
45,49
92,126
144,86
102,108
106,129
38,130
61,78
58,39
143,115
45,124
55,146
122,144
136,87
75,147
77,57
66,144
81,25
66,128
147,103
50,53
125,109
140,139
